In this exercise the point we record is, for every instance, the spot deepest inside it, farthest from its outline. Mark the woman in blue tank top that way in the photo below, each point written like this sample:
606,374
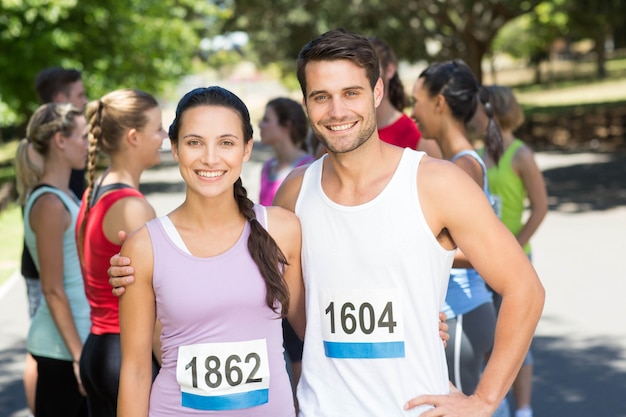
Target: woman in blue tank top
219,272
446,97
58,132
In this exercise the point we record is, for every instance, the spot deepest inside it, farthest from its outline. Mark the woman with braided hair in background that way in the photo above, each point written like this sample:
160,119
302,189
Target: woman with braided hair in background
60,324
219,273
126,125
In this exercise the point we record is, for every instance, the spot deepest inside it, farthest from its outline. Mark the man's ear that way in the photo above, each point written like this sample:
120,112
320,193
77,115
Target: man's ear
61,97
379,91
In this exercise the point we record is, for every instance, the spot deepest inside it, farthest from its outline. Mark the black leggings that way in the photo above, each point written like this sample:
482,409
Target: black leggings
57,391
292,343
100,365
476,331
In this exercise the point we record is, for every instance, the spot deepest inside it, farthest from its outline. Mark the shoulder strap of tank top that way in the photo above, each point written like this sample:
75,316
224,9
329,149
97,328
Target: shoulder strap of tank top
99,191
478,159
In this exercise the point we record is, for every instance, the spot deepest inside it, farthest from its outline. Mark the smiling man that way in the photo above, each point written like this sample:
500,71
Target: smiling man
380,226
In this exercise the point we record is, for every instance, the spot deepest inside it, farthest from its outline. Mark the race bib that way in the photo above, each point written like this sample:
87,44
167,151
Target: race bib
365,324
224,376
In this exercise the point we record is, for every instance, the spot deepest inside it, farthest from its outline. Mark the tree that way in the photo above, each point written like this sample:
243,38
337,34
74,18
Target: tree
596,19
530,36
451,29
116,43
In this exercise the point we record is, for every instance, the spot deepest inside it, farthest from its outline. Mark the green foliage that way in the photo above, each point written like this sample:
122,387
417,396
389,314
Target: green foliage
531,35
116,43
454,28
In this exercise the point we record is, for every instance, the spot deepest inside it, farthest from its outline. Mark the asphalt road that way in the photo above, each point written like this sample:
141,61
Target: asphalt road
580,345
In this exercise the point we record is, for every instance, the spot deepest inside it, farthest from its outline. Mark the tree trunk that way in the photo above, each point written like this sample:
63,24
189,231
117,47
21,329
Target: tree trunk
538,79
600,54
473,57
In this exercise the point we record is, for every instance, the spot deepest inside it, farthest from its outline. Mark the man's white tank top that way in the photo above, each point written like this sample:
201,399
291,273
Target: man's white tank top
375,278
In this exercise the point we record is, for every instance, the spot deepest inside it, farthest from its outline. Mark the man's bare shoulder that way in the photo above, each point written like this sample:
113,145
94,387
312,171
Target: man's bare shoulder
438,181
283,225
433,170
280,215
287,194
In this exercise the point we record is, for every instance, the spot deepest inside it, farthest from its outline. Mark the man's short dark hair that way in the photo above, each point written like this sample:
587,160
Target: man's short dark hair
54,80
339,44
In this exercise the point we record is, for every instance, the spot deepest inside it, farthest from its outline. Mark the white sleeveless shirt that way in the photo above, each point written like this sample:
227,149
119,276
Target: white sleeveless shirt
375,279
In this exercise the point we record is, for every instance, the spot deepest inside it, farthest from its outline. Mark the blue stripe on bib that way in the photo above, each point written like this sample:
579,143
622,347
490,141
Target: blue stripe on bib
364,350
226,402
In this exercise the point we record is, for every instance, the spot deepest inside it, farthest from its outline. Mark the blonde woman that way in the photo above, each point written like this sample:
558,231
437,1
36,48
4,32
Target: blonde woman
61,323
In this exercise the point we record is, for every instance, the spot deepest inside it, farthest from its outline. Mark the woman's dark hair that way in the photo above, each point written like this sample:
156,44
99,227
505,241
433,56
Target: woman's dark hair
339,44
263,249
395,88
290,114
455,81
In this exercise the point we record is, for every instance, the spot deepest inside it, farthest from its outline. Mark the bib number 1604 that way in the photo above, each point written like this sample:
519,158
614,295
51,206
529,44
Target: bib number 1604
352,317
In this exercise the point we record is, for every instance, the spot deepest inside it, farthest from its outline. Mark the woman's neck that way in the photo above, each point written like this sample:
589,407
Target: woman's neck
507,138
56,176
386,114
453,140
122,172
207,212
287,153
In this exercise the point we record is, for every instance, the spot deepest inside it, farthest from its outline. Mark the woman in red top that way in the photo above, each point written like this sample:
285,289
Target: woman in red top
127,126
394,126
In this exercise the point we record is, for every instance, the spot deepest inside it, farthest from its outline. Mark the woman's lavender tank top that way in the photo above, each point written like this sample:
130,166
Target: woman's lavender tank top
222,346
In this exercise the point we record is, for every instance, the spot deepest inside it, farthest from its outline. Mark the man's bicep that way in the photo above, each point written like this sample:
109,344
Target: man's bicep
287,193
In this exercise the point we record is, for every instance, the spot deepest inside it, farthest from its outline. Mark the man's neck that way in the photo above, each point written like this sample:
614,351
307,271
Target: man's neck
357,177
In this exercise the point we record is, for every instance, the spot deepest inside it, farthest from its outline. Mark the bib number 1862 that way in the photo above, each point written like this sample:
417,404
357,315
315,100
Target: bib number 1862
214,373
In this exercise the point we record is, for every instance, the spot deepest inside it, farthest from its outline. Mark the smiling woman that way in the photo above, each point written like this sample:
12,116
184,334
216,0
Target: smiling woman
235,264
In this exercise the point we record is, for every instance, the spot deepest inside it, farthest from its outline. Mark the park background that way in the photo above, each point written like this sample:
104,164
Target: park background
565,60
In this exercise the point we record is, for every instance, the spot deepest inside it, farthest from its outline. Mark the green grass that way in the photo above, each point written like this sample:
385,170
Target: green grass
7,150
11,238
7,156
